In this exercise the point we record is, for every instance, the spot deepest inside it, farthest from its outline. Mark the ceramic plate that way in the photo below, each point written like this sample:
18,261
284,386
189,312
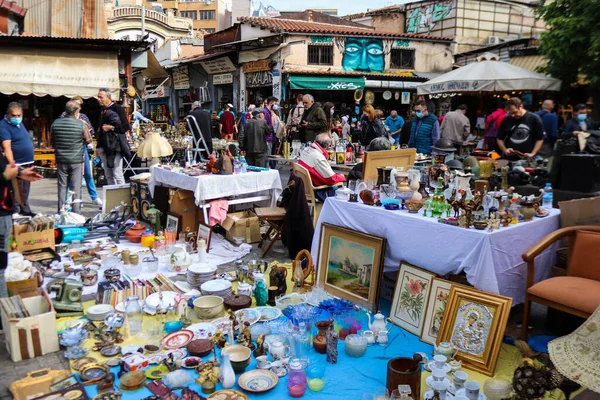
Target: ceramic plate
429,380
268,313
203,269
222,324
430,366
258,381
156,358
202,330
157,372
77,364
461,392
228,394
190,359
216,285
252,315
113,362
132,348
177,339
178,354
76,352
110,351
154,298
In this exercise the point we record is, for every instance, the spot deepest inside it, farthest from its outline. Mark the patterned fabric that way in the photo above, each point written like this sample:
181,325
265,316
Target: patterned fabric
577,356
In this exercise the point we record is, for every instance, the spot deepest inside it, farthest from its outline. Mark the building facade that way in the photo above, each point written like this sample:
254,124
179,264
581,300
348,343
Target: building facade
207,15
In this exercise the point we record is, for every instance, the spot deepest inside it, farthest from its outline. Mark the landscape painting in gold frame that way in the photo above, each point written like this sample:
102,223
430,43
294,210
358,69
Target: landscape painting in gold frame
474,323
350,264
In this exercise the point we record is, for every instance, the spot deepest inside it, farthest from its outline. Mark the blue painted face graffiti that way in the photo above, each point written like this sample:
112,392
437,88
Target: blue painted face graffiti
364,55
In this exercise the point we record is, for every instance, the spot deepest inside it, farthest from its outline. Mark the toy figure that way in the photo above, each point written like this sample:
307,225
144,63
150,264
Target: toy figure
219,339
247,336
454,203
260,346
332,342
208,372
234,321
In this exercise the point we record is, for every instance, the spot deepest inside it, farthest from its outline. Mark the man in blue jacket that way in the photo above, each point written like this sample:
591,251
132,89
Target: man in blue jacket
550,122
393,123
425,130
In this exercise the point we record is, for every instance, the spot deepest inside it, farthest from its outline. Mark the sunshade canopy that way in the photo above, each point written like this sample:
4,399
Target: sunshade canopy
488,76
327,82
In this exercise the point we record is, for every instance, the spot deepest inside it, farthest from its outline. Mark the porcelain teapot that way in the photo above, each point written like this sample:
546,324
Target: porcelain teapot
445,349
180,260
378,323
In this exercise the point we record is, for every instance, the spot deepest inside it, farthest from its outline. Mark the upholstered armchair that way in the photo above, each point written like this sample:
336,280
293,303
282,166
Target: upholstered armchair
578,292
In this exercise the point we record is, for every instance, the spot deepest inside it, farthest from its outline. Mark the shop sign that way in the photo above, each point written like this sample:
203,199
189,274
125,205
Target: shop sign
222,79
402,43
454,86
218,65
405,97
155,91
181,79
255,66
259,79
321,39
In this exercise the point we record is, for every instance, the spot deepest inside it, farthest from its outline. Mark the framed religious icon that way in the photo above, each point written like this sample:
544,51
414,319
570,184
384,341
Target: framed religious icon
436,306
350,264
205,232
173,222
474,323
410,297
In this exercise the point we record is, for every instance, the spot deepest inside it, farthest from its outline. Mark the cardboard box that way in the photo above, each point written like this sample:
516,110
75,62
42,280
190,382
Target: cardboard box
182,203
242,224
32,240
33,336
580,212
25,288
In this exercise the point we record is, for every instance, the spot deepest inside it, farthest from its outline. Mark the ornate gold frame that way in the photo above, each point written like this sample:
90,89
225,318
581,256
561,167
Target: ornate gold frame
486,364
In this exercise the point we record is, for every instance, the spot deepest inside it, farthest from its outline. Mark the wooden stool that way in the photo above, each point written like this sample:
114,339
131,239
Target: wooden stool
274,216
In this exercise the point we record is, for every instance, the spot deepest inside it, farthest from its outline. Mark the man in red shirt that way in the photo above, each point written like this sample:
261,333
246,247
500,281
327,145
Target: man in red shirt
227,125
492,126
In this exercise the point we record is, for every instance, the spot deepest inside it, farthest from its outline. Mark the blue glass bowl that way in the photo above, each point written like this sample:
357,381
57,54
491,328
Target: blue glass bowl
173,326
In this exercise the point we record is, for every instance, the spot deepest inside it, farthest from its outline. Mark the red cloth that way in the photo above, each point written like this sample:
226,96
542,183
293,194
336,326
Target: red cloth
498,115
314,159
228,121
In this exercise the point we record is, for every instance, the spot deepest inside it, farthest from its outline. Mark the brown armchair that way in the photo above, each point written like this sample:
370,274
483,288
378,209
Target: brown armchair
578,292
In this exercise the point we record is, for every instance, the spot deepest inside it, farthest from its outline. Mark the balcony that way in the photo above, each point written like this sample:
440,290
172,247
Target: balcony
168,19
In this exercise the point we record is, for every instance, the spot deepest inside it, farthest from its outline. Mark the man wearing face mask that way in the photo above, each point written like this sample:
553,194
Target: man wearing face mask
579,123
314,120
425,129
18,149
521,133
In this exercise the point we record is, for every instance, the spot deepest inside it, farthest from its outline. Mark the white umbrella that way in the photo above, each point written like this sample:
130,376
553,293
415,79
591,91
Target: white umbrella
488,76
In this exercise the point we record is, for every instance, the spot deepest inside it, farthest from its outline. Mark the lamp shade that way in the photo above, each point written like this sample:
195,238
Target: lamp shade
154,146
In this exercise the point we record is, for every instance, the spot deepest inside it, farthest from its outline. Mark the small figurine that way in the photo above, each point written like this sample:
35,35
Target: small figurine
260,348
260,294
247,335
505,219
219,339
454,203
208,372
234,321
332,342
493,224
169,362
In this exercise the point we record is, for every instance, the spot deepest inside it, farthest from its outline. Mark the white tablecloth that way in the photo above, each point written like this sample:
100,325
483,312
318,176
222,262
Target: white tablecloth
491,260
211,187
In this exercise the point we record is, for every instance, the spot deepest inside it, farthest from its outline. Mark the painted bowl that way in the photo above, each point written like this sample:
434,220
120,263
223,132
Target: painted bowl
481,225
209,307
239,356
413,206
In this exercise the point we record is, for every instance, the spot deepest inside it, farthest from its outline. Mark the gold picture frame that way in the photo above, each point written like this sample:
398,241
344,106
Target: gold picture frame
350,264
439,293
391,158
474,323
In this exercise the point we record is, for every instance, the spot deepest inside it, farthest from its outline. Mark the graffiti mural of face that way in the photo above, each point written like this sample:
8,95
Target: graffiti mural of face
362,54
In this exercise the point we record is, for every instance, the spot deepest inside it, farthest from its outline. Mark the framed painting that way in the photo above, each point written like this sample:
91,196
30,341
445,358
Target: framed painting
474,324
410,297
205,232
436,305
350,264
173,222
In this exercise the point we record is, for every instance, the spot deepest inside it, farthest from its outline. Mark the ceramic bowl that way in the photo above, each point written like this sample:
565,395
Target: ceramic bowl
481,225
239,356
413,206
209,307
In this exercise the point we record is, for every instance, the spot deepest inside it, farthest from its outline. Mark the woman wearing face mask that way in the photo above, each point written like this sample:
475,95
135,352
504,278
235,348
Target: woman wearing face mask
372,127
579,123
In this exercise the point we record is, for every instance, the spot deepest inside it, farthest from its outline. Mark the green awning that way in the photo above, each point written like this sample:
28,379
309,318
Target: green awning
331,82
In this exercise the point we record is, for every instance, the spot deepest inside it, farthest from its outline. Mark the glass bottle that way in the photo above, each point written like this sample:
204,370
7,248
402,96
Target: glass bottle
297,383
302,342
514,210
438,204
135,315
298,275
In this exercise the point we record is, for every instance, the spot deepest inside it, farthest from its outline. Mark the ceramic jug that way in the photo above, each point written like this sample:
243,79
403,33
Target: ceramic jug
180,260
278,350
445,349
378,323
244,289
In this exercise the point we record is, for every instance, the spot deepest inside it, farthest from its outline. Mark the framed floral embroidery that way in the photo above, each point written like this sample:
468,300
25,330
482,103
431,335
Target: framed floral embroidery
410,297
436,305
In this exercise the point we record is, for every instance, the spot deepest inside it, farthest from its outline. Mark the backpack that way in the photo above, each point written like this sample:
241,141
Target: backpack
492,129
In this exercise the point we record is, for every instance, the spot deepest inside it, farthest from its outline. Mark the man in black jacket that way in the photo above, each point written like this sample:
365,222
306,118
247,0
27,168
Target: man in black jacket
579,123
314,120
112,138
253,139
204,123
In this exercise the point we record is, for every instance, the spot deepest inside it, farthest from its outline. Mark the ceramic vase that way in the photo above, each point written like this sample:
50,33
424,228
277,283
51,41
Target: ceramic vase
527,211
320,340
226,373
415,183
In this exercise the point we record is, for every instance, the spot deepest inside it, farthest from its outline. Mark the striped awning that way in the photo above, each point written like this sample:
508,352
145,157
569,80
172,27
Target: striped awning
530,63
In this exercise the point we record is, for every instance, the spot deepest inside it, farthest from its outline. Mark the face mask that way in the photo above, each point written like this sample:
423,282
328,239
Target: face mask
15,121
275,107
581,117
353,119
419,114
331,111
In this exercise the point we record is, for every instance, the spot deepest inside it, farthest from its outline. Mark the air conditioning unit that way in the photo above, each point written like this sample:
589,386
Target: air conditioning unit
493,40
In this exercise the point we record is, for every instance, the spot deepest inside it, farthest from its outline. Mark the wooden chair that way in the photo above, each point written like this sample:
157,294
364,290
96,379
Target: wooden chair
309,189
578,292
274,216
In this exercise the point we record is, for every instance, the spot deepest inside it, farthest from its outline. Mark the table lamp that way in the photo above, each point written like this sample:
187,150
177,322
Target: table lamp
154,146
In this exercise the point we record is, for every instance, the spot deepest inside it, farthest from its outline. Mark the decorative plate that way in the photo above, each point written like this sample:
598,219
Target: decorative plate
77,364
93,371
268,313
251,315
76,352
177,339
178,354
387,95
223,324
158,372
191,362
258,381
110,351
156,358
369,97
113,362
201,330
228,395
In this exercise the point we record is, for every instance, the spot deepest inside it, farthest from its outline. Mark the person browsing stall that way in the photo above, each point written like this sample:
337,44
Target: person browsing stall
425,129
579,123
253,139
313,121
394,124
521,133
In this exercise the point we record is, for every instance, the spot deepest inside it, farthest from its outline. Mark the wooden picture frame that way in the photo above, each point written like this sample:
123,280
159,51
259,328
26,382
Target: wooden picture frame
173,221
350,264
474,323
409,302
392,158
436,307
204,232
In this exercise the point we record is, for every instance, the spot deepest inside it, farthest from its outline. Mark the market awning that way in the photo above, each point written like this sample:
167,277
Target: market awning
56,73
331,82
529,62
154,69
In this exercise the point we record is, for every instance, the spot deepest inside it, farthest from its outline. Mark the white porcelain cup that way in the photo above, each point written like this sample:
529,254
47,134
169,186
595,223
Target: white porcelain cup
472,390
459,378
441,387
440,361
370,336
262,361
438,375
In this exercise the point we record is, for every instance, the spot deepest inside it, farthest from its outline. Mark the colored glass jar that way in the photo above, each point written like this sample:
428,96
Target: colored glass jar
297,383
